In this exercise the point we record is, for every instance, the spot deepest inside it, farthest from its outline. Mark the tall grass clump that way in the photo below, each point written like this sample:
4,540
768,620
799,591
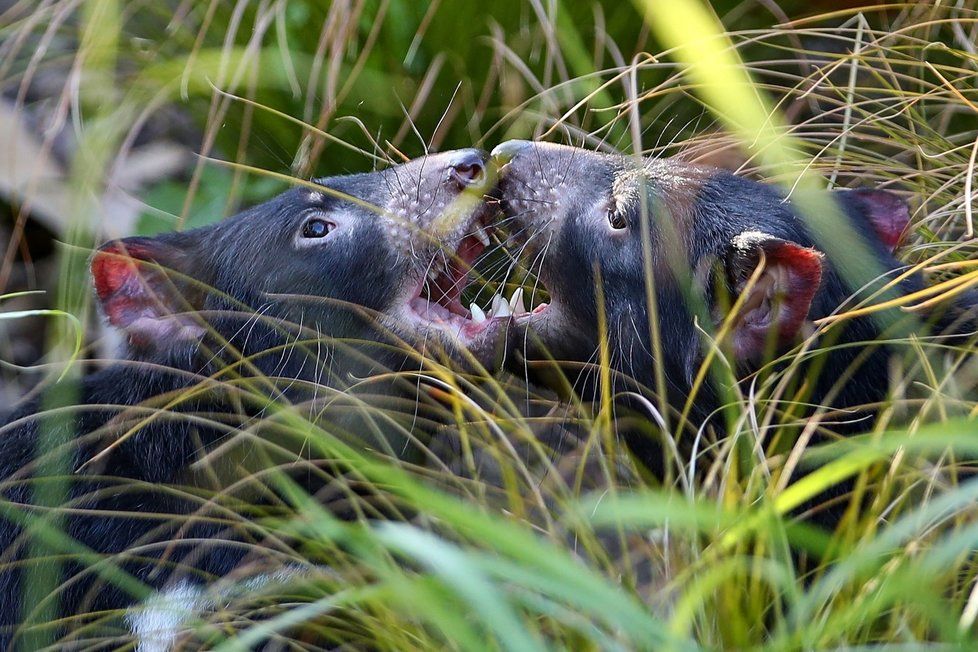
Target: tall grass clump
526,524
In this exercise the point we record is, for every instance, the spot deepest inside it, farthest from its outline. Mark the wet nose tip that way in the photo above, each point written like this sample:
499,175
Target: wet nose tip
505,151
468,167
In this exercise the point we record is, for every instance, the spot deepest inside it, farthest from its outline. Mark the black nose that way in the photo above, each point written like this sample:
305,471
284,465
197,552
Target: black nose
468,167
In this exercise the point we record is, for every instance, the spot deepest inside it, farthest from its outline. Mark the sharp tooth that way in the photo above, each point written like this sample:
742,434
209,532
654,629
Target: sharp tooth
497,302
481,235
503,310
516,302
477,315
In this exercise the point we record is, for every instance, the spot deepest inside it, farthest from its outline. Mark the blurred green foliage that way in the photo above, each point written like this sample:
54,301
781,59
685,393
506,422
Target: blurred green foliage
408,75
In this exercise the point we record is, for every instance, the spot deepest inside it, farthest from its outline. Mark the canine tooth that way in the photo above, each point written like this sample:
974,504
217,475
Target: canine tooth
504,310
497,304
481,235
477,315
516,302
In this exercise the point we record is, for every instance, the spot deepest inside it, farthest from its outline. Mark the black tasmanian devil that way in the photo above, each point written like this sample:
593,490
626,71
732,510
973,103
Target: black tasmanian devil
318,290
609,234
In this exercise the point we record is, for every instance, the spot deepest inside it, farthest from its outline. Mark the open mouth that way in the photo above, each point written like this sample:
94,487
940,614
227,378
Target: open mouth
438,298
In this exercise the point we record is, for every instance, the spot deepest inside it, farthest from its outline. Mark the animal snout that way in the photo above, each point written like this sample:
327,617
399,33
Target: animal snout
468,168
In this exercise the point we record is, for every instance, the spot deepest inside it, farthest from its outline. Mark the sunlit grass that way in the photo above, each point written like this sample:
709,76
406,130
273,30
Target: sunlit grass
525,524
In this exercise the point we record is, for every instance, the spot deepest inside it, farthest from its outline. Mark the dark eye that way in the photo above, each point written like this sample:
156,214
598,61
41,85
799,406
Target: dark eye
316,228
616,219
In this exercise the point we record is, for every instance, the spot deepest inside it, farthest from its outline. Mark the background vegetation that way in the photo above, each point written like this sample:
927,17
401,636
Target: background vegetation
139,117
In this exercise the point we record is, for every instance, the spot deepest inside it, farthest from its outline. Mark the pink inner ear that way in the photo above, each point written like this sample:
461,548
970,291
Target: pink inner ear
888,214
123,290
114,266
133,295
803,274
779,304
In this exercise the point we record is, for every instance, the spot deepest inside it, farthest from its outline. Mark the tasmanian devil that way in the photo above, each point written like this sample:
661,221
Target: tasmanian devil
302,301
611,236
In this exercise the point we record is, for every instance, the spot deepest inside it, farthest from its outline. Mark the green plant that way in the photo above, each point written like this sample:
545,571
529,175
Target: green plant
513,544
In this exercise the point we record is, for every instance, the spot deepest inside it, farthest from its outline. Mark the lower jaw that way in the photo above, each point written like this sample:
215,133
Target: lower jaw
454,328
465,331
484,344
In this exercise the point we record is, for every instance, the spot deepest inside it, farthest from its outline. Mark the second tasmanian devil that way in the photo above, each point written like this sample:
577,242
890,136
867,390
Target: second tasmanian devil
612,237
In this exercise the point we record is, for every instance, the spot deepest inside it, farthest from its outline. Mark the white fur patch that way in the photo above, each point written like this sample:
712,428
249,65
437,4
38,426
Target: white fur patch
156,622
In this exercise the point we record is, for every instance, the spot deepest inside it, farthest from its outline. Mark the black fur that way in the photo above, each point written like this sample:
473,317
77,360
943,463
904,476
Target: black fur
279,323
561,202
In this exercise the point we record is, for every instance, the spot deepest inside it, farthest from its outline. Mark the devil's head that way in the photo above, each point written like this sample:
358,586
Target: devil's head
379,257
628,248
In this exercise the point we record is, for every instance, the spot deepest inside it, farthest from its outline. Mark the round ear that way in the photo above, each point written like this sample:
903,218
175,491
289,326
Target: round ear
777,304
145,287
885,212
